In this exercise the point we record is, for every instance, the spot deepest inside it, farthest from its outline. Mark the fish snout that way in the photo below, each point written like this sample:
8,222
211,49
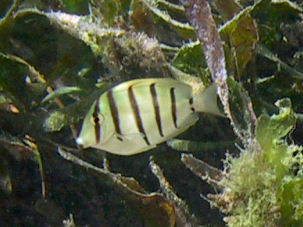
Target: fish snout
80,142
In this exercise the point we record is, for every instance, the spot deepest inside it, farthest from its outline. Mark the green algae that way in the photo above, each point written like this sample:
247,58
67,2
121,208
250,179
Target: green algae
261,187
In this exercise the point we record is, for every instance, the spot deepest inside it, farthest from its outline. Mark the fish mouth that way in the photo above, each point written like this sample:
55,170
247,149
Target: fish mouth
80,143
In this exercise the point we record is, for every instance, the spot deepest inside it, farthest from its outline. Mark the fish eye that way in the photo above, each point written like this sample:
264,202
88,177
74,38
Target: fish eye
96,119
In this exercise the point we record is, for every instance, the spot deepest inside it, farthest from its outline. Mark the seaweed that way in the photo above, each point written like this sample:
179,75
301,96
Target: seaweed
57,57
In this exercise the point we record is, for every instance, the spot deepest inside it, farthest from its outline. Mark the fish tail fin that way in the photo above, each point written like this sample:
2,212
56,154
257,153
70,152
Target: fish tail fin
206,101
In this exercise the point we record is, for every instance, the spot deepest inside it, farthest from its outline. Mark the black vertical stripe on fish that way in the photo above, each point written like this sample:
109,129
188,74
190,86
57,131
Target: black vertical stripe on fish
114,113
156,108
97,121
136,111
191,101
173,106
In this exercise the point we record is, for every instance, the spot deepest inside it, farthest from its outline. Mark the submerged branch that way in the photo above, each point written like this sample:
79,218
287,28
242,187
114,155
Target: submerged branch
203,170
149,205
199,14
181,209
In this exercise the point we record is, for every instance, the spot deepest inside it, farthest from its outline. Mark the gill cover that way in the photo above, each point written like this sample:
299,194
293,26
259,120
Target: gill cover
91,128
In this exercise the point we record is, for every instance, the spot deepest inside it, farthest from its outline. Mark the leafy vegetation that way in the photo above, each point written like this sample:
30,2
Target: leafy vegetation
57,57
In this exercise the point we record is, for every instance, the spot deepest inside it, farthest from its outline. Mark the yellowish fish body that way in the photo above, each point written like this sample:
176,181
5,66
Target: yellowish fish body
136,115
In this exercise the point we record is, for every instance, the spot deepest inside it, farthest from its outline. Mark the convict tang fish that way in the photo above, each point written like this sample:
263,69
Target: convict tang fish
136,115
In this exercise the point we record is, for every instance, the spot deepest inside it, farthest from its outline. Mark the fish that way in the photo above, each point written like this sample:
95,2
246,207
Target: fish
137,115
